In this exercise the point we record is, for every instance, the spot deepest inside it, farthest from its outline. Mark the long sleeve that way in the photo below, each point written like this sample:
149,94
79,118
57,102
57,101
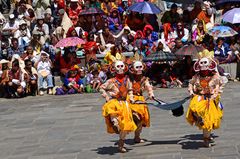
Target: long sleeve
149,88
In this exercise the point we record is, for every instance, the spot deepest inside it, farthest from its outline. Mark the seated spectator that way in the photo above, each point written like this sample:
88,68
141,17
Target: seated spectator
72,32
44,66
35,43
105,38
181,32
10,27
114,21
171,16
74,10
31,78
16,83
178,45
90,48
206,14
168,35
145,50
222,52
199,33
4,70
67,61
72,83
43,29
23,34
149,35
31,55
14,49
138,39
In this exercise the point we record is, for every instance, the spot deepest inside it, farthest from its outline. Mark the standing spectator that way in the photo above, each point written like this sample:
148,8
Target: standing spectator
44,66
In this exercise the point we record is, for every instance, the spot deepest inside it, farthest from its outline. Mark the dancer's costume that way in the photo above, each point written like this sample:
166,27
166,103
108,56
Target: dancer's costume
139,84
117,111
205,109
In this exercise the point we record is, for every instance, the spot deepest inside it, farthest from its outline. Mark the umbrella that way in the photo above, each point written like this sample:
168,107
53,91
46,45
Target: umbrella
160,56
222,31
191,50
220,2
232,16
144,8
71,41
91,10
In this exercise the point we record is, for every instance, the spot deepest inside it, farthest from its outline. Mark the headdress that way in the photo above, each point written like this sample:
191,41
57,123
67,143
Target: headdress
205,62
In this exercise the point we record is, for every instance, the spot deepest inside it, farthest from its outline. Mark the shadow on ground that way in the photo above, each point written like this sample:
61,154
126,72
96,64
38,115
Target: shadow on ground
193,141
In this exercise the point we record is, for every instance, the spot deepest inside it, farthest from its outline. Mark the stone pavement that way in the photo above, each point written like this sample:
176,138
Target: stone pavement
71,127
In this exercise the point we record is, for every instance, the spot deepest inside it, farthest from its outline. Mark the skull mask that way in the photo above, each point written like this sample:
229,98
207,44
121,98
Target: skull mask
119,67
138,67
204,63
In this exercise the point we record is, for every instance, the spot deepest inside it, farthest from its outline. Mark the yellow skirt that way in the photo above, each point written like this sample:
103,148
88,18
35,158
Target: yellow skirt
142,110
206,110
122,111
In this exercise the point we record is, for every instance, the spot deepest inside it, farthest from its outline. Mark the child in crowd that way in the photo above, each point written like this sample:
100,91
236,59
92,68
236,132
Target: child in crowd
73,81
95,81
44,66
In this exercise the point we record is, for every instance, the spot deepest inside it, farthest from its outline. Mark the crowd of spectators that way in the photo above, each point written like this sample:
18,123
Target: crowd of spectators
29,59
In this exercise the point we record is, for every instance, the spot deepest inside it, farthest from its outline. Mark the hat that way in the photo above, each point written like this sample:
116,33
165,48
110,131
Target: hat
22,22
35,32
4,61
11,16
174,6
40,17
61,11
74,0
43,53
48,11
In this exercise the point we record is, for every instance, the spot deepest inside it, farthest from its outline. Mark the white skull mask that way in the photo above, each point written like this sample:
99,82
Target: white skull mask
119,66
204,63
138,67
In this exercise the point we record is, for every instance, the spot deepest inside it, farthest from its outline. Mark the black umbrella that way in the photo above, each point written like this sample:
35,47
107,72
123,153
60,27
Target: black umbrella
160,56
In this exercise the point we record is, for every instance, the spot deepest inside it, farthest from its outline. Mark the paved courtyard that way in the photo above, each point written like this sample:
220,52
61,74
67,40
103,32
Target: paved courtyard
71,127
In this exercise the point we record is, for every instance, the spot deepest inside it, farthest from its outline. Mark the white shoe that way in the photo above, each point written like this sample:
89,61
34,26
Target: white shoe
50,92
41,93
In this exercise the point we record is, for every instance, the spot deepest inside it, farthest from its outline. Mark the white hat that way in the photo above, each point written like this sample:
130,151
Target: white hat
48,11
74,0
11,16
22,22
4,61
44,53
40,17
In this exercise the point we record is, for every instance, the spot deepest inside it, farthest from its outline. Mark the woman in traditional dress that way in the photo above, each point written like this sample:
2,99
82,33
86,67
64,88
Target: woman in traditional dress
205,109
116,110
